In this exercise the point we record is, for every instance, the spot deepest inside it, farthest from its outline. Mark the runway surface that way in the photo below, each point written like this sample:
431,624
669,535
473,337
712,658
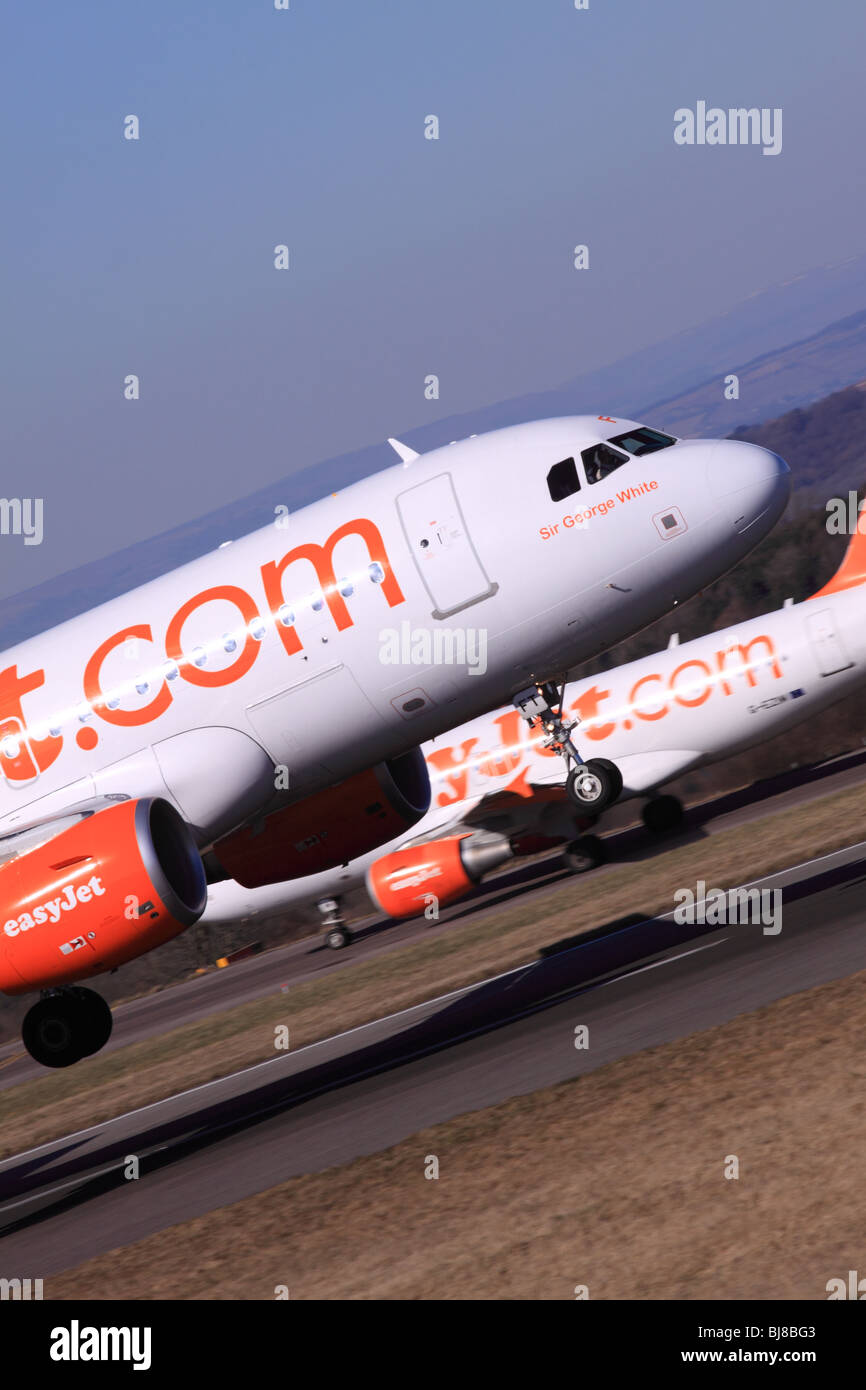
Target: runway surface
303,960
635,983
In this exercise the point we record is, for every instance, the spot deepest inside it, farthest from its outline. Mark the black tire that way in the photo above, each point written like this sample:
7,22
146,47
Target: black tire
584,854
614,772
662,815
337,937
53,1031
97,1021
595,789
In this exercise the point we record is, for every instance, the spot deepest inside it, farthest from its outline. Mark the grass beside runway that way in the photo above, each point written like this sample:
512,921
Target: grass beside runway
61,1102
615,1181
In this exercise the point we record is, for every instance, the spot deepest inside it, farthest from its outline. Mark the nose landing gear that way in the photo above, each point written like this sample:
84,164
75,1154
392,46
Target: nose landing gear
337,934
66,1025
597,786
592,786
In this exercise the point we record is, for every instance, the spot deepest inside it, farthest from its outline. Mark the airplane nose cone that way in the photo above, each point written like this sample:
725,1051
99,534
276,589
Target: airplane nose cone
750,482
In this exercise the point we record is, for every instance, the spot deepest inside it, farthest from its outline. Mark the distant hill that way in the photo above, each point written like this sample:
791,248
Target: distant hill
766,322
824,444
745,339
825,447
779,379
820,441
777,340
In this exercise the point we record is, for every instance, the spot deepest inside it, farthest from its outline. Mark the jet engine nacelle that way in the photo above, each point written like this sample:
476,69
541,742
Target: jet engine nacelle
331,827
97,894
401,884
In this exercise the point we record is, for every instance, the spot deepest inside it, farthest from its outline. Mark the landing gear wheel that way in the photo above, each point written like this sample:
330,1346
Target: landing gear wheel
337,934
591,786
97,1020
663,814
51,1030
595,788
64,1027
337,937
584,854
614,772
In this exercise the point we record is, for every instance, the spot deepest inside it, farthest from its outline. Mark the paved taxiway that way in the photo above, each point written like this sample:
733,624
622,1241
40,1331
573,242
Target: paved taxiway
303,960
636,983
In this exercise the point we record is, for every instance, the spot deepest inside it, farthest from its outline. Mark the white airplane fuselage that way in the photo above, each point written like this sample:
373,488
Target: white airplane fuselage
657,718
270,651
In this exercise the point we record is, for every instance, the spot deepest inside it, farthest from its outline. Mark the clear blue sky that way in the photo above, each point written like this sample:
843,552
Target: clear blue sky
408,256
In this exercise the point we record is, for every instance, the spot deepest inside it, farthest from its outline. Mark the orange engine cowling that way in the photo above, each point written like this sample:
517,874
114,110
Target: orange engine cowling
99,893
332,826
403,883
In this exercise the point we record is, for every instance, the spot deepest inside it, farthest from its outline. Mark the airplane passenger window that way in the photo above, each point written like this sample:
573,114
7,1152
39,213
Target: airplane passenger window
599,460
562,480
643,440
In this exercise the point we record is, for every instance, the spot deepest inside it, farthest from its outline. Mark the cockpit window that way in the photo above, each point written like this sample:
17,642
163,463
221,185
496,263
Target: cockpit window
599,460
643,440
562,480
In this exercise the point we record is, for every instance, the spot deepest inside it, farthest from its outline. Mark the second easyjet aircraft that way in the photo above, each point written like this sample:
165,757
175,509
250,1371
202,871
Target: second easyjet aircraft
497,791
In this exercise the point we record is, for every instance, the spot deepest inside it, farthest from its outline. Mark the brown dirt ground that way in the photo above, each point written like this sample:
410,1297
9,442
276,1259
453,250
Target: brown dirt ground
614,1181
64,1101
